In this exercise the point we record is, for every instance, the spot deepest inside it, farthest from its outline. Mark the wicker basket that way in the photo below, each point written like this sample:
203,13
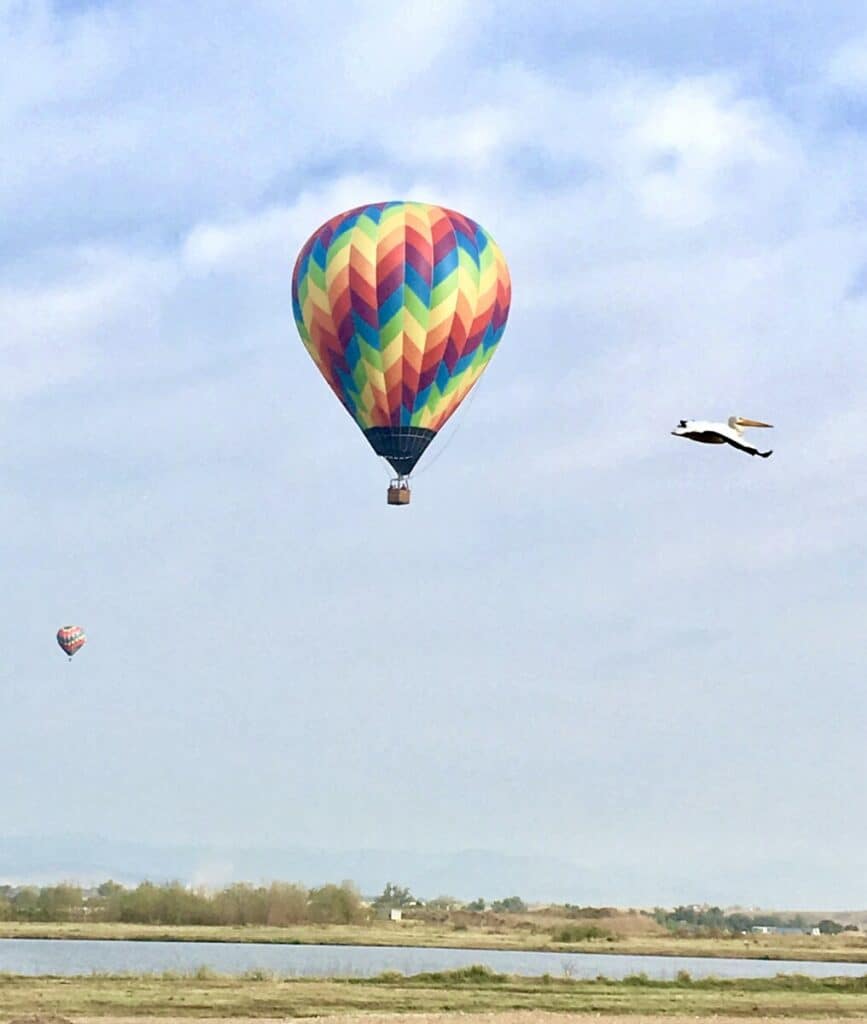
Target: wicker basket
398,495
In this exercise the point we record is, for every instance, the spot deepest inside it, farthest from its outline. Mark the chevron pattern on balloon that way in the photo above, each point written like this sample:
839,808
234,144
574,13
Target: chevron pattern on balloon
401,306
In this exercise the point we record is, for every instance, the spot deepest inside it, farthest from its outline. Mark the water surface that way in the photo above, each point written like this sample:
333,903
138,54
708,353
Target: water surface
67,957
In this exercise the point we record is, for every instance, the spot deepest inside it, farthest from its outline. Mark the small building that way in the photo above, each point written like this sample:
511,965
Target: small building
395,914
779,929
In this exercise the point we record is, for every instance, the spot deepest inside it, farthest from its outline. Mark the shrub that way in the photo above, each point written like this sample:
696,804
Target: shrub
389,977
580,933
637,979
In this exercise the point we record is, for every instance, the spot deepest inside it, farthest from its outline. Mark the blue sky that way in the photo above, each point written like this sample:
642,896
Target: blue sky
585,639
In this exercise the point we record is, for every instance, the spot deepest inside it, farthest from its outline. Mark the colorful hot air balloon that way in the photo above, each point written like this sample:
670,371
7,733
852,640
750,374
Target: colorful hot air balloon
401,306
71,639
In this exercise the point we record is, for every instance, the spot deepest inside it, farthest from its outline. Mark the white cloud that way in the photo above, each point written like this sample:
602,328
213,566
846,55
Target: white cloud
848,66
274,235
78,323
55,64
386,46
714,144
171,116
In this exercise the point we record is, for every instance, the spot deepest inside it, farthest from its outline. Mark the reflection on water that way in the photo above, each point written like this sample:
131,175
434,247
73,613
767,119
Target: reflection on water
84,956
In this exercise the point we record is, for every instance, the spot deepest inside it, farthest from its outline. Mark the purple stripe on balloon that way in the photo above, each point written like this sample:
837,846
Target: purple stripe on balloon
389,285
420,263
473,342
336,361
427,377
346,328
451,355
443,247
363,310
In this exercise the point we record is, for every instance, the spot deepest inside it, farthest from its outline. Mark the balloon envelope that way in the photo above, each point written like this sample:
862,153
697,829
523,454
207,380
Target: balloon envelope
71,639
401,306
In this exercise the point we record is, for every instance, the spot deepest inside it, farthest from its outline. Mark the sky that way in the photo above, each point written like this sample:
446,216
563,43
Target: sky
585,641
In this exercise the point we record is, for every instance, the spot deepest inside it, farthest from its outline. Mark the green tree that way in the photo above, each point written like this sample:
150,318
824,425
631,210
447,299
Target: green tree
286,904
241,903
336,904
25,904
7,910
393,896
109,903
443,903
59,903
510,905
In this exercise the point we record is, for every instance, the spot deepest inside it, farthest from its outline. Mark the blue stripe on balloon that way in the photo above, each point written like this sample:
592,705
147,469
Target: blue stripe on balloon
345,225
391,305
350,391
445,266
419,286
318,253
421,399
353,352
463,363
365,331
468,245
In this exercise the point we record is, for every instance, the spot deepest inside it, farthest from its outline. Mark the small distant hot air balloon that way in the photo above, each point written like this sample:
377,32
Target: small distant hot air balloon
401,306
71,639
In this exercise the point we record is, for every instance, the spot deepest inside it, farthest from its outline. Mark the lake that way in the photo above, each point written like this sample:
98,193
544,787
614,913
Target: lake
84,956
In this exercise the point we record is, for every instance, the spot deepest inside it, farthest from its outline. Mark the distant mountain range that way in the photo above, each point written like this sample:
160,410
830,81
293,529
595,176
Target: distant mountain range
464,874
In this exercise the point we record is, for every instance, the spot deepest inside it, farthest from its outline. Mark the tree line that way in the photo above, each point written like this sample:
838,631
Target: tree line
172,903
279,903
716,920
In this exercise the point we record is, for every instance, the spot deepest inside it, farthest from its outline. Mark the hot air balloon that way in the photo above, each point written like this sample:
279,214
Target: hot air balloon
71,639
401,305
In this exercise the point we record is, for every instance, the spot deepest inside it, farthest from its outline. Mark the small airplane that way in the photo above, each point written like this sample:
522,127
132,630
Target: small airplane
722,433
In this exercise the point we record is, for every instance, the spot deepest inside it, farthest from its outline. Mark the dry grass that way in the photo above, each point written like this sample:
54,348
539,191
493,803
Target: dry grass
469,990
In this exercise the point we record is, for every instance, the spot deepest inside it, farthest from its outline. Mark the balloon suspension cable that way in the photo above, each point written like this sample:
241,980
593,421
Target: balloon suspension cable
398,490
457,423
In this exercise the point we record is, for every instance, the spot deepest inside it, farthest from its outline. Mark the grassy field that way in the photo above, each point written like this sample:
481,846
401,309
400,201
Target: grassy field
473,989
517,935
